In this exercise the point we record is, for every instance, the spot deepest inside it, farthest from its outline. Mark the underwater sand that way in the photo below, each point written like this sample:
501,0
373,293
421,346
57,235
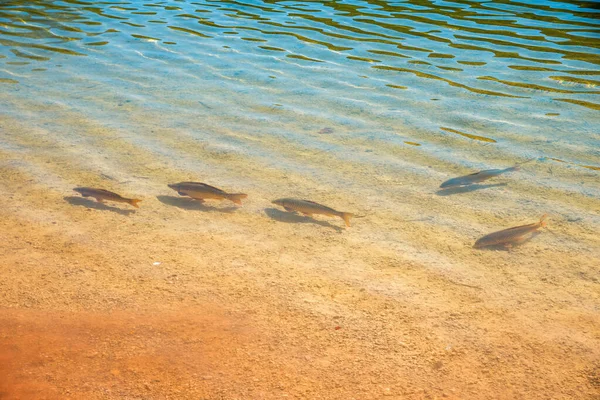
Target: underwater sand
184,300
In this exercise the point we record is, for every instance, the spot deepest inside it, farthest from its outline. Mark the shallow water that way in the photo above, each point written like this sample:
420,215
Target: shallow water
363,105
334,92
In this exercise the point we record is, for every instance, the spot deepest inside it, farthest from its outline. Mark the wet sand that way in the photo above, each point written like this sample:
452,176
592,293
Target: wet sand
254,302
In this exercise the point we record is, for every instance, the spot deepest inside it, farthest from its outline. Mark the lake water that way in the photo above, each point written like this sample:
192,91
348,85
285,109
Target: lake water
365,106
377,100
444,77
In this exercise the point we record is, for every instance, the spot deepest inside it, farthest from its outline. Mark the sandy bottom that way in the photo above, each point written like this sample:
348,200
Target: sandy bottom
183,300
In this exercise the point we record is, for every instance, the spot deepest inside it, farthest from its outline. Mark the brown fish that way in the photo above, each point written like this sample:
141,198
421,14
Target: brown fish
202,191
101,195
309,208
479,176
510,236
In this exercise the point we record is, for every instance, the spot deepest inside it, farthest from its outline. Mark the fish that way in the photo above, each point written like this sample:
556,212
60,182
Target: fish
201,191
479,176
309,208
510,236
475,177
101,195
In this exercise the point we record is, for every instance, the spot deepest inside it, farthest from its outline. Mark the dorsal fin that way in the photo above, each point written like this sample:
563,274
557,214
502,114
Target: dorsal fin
521,226
106,191
205,185
313,202
319,204
101,191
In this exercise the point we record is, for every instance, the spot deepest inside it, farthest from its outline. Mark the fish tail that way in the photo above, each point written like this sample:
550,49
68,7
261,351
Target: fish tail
237,197
346,217
542,220
134,202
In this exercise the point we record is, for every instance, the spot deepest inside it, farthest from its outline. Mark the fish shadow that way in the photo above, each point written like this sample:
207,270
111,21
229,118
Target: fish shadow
188,203
519,243
82,201
466,189
293,218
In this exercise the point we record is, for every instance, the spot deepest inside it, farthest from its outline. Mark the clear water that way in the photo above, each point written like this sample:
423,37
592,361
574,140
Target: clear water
505,70
380,99
366,106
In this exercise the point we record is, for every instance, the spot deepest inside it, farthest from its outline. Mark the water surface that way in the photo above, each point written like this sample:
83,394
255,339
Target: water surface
503,72
380,100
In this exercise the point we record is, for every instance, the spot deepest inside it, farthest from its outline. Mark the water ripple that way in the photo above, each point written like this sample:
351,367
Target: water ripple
503,60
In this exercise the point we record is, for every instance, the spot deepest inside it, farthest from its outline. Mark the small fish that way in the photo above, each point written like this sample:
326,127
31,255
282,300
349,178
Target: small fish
476,177
101,195
479,176
202,191
309,208
509,236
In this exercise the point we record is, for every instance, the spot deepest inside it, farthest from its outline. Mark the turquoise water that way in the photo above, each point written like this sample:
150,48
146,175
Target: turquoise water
448,84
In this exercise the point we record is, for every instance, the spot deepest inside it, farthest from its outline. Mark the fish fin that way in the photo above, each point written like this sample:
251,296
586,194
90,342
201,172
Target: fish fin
181,193
520,239
542,220
106,191
307,214
134,202
313,202
237,197
288,209
216,189
99,200
203,185
346,216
